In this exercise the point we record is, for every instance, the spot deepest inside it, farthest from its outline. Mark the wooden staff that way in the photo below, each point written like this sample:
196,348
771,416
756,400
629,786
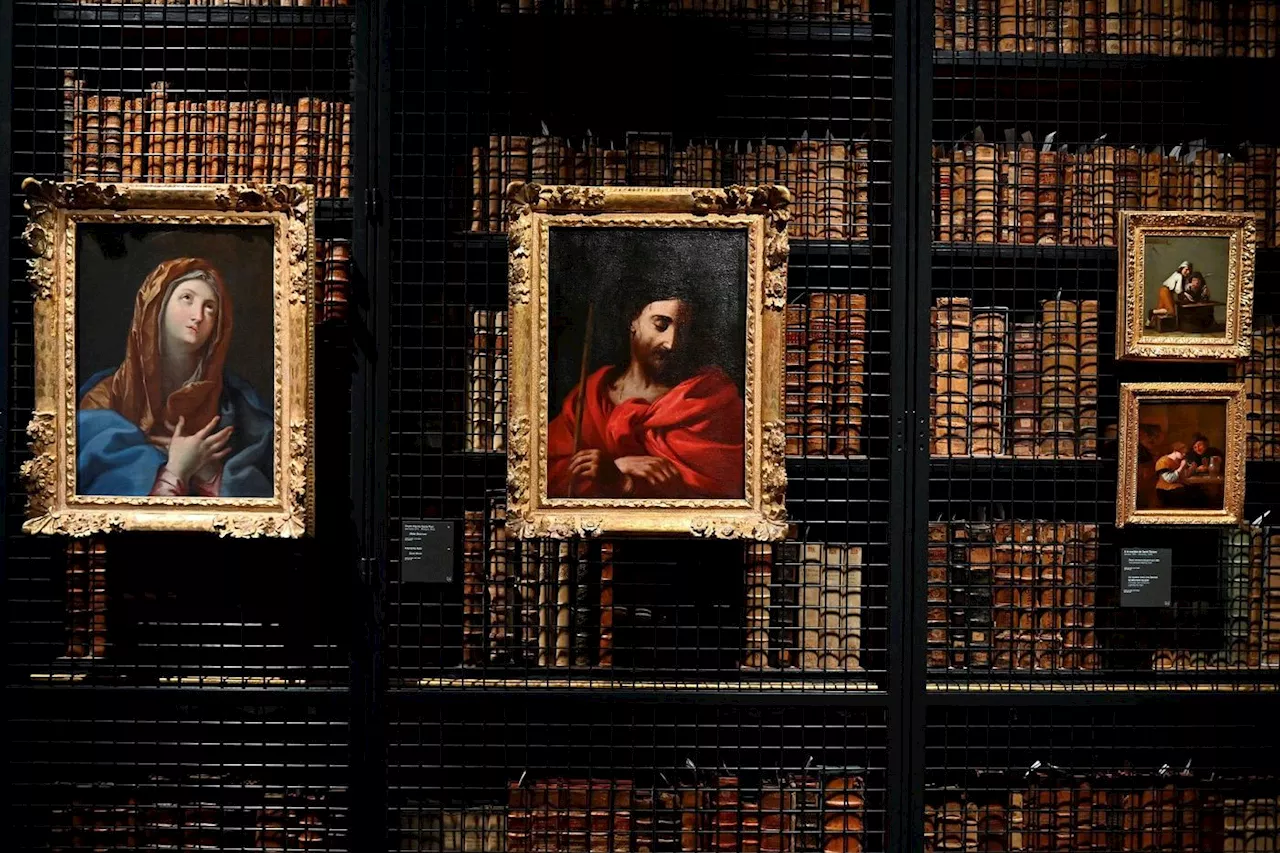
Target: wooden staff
581,402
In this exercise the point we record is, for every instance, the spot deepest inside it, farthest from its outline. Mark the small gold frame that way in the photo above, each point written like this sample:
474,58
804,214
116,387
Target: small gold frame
762,212
54,211
1132,339
1133,395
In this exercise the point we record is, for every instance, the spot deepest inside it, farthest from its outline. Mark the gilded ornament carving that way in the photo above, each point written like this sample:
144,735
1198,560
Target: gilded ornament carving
55,211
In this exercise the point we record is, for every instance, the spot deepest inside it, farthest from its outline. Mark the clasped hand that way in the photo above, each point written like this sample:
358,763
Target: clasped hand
198,454
596,471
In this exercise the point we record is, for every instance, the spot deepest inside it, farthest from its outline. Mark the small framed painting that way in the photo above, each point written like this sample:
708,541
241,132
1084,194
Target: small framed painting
1186,285
173,369
1182,453
645,351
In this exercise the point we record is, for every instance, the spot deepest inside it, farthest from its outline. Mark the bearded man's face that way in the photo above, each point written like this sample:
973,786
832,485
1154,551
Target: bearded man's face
659,338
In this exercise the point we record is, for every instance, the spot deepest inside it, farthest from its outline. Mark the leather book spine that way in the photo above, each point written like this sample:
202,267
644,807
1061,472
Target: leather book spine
1026,389
942,193
564,603
937,596
337,281
785,604
258,148
952,401
1058,378
473,546
499,576
527,588
479,383
860,177
943,35
1112,27
605,656
796,353
811,580
497,163
1104,195
819,372
93,170
851,374
1071,25
1087,380
1084,217
832,201
78,612
1069,198
984,192
548,563
759,566
961,13
1048,199
498,402
984,19
131,167
1006,202
586,591
851,608
961,172
1007,27
221,141
71,129
344,155
190,141
988,387
112,137
1025,192
831,608
304,141
809,157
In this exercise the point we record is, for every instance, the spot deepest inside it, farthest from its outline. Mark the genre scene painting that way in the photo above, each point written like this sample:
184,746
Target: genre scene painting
174,361
1185,285
646,371
1181,453
1181,462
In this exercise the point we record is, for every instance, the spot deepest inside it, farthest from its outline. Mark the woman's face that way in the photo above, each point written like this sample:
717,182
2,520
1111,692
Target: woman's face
190,316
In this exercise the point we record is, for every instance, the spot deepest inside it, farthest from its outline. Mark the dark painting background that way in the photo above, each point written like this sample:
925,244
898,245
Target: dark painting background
1178,422
586,264
113,260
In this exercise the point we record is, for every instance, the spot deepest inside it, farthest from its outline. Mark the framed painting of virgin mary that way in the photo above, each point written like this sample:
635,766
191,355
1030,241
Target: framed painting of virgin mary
173,374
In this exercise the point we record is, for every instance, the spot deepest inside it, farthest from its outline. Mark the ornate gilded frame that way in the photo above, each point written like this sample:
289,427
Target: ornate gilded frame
54,212
1132,395
1132,340
762,212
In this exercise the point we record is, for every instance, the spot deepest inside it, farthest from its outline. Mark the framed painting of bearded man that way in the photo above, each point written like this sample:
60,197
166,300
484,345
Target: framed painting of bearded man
173,370
645,351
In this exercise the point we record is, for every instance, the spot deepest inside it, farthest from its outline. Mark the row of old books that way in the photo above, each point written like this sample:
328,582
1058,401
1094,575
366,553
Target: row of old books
1026,389
1260,373
826,374
858,10
1247,28
333,277
86,598
952,821
197,814
1020,192
1250,824
547,603
1012,595
829,180
223,2
816,609
804,813
486,400
157,139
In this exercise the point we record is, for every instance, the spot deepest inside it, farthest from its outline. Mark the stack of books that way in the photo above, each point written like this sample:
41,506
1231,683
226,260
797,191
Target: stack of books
817,614
1012,596
157,139
1250,824
1271,600
800,813
1247,28
87,598
440,829
1170,818
541,602
486,400
1022,193
1040,402
829,180
333,275
826,374
569,816
1260,373
854,10
1069,815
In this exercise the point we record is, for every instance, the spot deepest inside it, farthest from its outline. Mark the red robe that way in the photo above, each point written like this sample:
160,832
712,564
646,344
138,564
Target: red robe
697,426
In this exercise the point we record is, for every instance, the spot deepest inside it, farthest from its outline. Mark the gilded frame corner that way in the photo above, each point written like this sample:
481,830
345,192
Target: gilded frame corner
1132,341
53,211
1132,395
760,211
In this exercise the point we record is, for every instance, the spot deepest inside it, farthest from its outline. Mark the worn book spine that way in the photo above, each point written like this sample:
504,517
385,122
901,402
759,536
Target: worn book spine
70,118
1048,199
961,175
851,608
860,175
1006,210
479,386
473,547
1025,192
586,591
112,137
1069,199
811,580
131,166
1024,429
479,207
819,371
1059,354
304,140
784,604
1104,196
93,138
1087,381
759,565
498,425
258,150
1271,600
796,354
329,141
1084,216
564,602
832,601
831,204
942,193
850,391
952,401
984,193
605,655
987,389
344,153
937,596
499,577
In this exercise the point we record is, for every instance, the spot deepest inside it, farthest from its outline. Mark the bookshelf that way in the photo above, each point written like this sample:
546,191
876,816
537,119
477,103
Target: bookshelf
146,16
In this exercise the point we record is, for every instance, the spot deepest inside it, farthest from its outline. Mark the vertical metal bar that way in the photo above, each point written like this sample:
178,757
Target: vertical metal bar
909,455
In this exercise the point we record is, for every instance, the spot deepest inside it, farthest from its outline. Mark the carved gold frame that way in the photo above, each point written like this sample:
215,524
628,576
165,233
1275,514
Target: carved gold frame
1132,339
1132,395
762,212
54,212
